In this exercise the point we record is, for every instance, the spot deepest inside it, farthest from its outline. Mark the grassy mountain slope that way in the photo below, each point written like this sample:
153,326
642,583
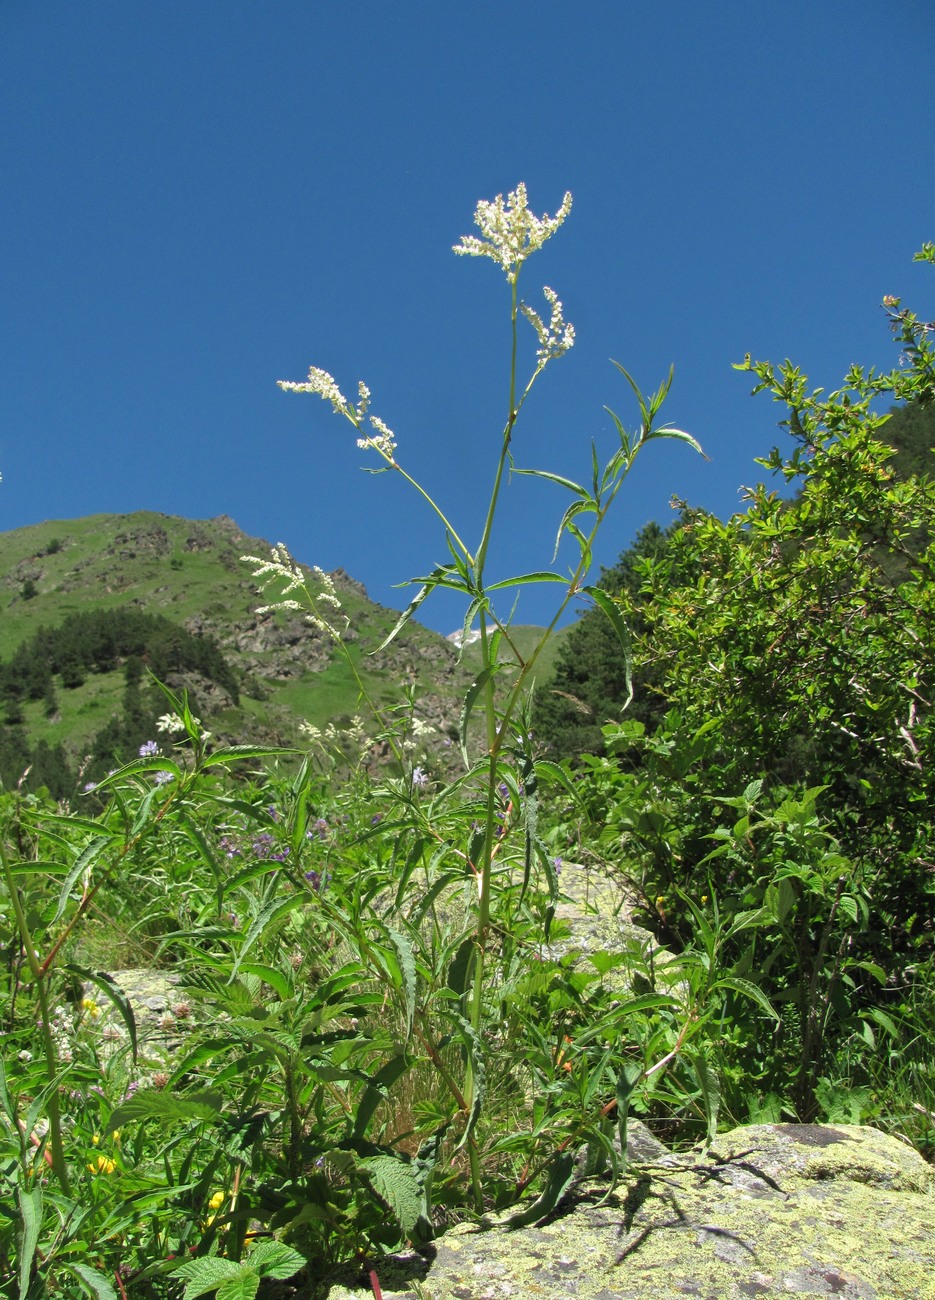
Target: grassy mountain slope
191,572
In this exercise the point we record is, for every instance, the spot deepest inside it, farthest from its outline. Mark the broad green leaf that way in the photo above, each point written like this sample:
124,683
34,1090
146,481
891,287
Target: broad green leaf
276,979
399,1186
205,1274
460,966
243,1286
275,1259
274,911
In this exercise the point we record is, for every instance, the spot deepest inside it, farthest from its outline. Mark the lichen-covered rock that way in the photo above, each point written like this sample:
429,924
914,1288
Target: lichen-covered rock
772,1210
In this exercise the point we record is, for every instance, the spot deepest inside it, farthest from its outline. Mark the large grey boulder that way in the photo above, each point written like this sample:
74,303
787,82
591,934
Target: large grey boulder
771,1210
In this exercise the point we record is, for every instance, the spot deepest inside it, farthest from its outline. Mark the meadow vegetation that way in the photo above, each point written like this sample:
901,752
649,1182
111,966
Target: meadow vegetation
369,1025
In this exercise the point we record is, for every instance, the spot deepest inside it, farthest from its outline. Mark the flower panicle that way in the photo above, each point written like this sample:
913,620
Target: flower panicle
509,231
320,382
555,338
281,567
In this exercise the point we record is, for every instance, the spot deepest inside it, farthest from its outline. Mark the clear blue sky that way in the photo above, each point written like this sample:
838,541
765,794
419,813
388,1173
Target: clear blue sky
202,198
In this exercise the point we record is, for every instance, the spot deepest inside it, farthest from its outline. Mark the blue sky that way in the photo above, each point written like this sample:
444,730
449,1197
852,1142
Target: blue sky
200,199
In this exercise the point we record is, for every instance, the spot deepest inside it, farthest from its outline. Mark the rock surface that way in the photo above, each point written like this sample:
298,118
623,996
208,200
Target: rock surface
771,1210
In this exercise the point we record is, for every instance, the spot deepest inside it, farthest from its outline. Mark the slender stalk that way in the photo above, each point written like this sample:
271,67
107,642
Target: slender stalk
56,1147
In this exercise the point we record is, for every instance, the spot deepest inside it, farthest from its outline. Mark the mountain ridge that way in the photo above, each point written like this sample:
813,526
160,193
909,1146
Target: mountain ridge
192,572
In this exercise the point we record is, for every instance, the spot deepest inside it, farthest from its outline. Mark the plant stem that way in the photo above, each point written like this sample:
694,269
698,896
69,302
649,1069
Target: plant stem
56,1146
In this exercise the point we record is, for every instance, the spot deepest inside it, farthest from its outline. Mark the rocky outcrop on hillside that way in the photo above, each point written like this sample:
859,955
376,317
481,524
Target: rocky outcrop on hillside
770,1211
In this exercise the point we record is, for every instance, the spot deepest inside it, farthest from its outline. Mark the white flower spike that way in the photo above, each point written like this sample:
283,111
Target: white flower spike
509,231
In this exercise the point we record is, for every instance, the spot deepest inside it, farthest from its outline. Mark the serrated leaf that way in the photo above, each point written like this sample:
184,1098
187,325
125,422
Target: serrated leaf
82,862
276,1259
272,912
399,1186
242,1287
94,1282
205,1274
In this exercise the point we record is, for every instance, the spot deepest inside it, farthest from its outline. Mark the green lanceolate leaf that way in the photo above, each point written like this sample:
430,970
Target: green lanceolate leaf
609,606
407,971
238,753
460,966
560,1176
30,1208
114,994
474,1053
82,864
149,1103
467,707
542,575
92,1281
377,1090
748,990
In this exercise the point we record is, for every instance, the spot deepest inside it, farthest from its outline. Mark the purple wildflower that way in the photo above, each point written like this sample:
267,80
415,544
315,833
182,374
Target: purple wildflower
163,778
149,749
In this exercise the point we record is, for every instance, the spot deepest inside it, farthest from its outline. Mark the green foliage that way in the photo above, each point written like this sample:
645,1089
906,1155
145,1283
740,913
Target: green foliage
373,1023
590,686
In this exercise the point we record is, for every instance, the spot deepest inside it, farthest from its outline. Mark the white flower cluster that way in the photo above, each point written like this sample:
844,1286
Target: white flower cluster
325,385
509,231
555,338
383,441
320,382
281,567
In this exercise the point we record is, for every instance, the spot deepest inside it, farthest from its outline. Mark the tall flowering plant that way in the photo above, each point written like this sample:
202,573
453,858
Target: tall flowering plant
509,233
